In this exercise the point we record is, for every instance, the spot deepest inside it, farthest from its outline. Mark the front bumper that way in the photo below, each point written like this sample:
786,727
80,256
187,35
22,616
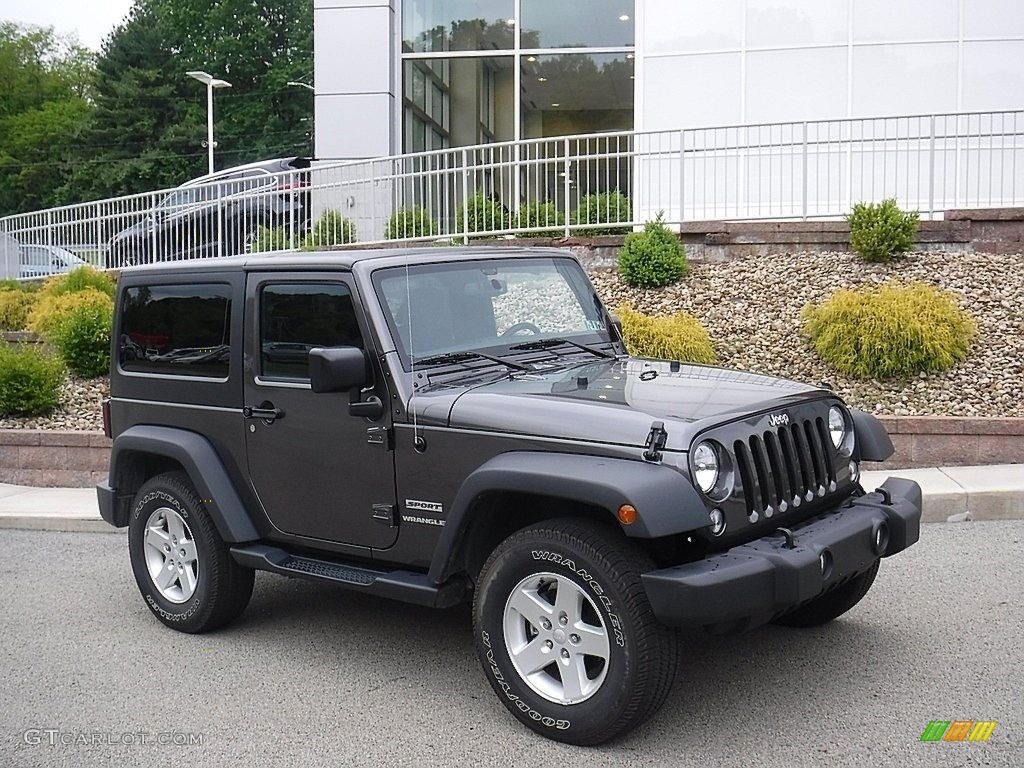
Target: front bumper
752,583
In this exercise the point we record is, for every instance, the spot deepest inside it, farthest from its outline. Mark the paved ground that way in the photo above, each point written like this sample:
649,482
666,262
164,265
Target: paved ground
317,676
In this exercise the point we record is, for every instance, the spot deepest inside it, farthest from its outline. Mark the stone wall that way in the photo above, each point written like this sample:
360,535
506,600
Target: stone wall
53,459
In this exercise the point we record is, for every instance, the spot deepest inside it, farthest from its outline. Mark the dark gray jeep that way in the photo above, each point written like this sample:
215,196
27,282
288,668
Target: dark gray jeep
447,425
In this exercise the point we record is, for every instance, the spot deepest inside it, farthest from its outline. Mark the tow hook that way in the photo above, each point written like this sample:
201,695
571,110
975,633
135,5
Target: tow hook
788,536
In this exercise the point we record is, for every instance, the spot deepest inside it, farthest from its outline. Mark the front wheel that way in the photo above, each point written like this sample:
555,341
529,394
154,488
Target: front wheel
182,566
565,634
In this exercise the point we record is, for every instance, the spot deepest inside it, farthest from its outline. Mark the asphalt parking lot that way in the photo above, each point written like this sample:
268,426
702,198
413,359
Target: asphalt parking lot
318,676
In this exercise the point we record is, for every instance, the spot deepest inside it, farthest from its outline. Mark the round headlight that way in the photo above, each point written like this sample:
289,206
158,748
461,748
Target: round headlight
836,425
705,467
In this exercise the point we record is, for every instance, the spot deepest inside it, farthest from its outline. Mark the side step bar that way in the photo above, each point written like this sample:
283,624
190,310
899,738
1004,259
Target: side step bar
396,585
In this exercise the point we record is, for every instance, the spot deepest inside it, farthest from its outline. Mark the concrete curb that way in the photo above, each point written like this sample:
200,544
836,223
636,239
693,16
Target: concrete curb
951,494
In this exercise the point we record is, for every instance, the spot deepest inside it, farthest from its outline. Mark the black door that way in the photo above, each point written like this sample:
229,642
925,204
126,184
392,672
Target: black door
318,471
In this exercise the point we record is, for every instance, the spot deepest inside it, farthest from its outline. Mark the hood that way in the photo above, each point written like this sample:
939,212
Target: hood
616,401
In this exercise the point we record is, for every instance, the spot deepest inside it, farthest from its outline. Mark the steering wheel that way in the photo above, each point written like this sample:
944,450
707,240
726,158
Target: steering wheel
513,330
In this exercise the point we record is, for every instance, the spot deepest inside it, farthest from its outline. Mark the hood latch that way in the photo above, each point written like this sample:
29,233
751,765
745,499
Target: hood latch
656,440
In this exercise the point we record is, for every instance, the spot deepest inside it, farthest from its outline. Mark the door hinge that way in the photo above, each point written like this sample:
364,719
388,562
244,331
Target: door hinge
381,436
656,440
386,513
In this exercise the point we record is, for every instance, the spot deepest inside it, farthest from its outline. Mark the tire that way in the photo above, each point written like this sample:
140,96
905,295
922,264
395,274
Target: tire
596,570
210,588
832,604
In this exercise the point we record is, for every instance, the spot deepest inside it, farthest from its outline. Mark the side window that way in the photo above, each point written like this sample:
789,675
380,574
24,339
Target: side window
176,329
295,317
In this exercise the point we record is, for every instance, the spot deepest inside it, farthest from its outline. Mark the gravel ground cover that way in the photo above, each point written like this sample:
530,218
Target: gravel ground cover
751,308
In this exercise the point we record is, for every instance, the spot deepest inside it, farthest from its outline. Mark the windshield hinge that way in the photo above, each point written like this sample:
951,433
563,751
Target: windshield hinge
656,440
381,436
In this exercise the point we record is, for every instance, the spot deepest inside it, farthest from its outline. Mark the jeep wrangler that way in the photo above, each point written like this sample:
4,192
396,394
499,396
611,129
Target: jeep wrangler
464,424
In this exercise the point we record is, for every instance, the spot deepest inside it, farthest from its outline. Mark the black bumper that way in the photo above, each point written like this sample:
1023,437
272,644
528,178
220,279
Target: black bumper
109,508
750,584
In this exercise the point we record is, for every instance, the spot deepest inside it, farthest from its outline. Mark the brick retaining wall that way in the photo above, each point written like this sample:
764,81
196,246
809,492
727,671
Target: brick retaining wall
79,459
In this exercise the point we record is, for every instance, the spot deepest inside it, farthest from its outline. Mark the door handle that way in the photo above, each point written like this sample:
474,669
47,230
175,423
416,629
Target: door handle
265,411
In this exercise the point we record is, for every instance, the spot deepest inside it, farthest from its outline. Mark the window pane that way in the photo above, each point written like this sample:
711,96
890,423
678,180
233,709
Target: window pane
577,23
471,101
294,318
577,93
458,25
179,330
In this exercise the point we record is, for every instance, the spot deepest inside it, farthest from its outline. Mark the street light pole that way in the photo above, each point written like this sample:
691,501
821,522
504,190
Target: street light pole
211,82
312,129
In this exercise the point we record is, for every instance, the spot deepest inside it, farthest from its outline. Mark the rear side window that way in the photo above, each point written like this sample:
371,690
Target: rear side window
184,330
295,317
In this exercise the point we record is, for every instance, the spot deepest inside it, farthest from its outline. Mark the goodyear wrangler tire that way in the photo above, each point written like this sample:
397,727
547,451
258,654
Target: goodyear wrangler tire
565,634
184,570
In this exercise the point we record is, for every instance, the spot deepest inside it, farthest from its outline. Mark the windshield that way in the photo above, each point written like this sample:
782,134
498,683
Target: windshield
491,305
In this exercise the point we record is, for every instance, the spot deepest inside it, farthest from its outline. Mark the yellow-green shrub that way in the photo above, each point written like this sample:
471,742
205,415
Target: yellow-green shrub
51,309
679,337
82,336
77,280
891,331
29,381
14,309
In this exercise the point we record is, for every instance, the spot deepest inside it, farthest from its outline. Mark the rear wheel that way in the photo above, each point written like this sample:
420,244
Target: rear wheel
832,604
565,634
182,567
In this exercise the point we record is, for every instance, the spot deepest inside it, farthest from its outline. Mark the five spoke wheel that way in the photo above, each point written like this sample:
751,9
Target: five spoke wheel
171,556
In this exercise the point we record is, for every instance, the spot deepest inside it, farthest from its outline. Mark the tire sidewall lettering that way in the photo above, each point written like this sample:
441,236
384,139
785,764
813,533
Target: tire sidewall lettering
594,585
506,688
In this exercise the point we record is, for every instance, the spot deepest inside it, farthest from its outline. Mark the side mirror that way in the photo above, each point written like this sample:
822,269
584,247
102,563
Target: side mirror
337,369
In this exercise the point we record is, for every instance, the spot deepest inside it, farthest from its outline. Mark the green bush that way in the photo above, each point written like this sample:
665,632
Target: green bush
50,310
410,222
603,208
891,331
82,336
537,216
9,285
271,239
882,232
15,307
653,258
80,279
482,214
29,381
330,229
679,337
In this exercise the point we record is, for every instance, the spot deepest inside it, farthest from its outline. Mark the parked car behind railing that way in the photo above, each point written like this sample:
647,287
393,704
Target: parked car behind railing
219,214
46,260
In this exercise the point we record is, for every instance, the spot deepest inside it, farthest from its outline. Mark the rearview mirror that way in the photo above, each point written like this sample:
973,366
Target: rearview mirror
337,369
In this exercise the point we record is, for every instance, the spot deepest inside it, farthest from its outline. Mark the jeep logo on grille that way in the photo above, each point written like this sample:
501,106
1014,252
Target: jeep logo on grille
778,419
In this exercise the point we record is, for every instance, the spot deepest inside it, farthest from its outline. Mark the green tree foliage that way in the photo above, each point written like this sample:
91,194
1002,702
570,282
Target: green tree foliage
44,103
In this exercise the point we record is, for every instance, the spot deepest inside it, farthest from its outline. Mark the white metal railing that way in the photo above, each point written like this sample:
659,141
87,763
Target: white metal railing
558,186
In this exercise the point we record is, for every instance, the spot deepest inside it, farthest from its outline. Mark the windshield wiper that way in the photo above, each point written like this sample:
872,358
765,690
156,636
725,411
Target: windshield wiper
559,342
461,357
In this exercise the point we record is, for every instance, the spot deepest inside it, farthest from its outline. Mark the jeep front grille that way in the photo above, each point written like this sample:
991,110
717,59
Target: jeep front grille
785,467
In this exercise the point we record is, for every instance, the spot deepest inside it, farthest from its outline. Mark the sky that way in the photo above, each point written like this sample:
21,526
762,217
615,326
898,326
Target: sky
91,20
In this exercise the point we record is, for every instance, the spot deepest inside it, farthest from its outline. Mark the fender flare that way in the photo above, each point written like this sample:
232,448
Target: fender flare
872,439
202,464
665,501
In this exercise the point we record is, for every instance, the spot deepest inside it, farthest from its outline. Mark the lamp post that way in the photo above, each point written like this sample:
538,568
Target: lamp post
211,82
297,84
312,134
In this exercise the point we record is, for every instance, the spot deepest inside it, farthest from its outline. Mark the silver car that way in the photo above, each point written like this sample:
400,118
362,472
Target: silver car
46,260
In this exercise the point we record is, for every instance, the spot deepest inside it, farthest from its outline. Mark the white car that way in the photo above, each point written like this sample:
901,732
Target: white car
46,260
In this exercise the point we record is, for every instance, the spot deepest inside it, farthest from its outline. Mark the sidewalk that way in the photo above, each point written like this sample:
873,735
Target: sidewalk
951,494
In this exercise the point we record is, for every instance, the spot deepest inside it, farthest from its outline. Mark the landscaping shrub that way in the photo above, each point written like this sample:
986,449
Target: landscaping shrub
891,331
14,309
50,310
80,279
410,222
679,337
484,215
9,285
29,381
271,239
82,336
653,258
882,232
603,208
330,229
536,215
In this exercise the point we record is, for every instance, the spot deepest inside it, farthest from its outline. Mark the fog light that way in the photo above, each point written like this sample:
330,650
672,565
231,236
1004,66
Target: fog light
717,522
854,471
880,540
825,561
